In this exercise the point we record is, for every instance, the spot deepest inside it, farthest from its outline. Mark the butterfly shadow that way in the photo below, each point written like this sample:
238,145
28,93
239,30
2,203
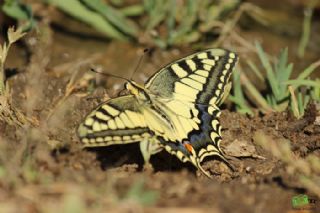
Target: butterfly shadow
118,156
129,154
165,162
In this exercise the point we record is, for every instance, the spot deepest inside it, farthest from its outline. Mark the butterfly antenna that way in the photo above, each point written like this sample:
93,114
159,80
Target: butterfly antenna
139,62
107,74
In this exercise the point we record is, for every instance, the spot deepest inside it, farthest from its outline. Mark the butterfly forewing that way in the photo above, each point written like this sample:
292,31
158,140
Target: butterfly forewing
199,78
116,121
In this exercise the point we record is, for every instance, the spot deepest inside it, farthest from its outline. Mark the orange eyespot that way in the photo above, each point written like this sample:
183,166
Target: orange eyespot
188,147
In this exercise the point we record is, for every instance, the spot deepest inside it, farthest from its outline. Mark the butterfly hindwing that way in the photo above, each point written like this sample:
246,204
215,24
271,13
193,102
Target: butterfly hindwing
205,141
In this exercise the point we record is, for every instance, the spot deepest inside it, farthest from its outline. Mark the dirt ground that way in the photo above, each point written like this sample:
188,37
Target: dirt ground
44,169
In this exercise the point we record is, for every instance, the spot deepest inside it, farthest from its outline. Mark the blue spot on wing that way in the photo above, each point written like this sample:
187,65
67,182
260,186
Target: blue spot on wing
201,138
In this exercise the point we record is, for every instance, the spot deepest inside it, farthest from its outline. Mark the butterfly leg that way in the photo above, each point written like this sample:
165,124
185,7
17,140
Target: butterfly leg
148,147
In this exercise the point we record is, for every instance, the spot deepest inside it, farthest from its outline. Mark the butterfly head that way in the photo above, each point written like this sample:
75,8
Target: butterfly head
138,91
132,87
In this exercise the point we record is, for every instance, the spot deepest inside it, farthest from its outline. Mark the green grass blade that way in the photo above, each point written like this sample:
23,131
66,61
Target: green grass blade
16,10
238,97
187,23
315,93
133,10
79,11
19,11
258,99
298,83
157,12
113,16
237,89
283,71
270,72
288,72
307,72
149,4
171,20
282,78
281,66
240,105
306,29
